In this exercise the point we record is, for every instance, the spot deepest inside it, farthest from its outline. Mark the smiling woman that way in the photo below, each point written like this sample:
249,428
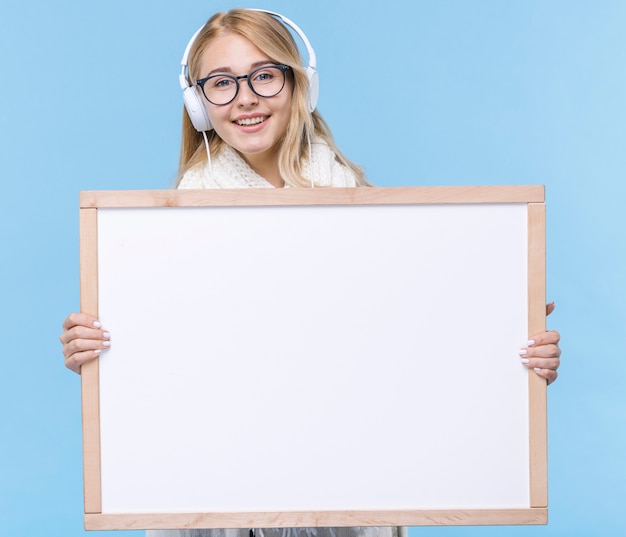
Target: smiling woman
268,129
250,122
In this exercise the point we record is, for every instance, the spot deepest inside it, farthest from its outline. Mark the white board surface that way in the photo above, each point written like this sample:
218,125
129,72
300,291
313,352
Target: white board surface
313,358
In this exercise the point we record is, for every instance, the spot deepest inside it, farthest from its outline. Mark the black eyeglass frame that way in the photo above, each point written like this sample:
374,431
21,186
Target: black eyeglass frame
283,68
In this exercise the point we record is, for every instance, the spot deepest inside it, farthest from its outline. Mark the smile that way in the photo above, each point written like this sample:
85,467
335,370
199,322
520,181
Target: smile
250,121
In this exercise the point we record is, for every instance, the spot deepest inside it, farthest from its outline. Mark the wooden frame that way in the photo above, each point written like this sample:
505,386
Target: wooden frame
535,512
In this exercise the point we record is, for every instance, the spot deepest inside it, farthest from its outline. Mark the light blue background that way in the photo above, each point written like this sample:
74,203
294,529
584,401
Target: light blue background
437,92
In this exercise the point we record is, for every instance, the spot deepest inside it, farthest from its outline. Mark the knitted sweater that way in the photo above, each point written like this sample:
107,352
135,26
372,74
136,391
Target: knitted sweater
229,170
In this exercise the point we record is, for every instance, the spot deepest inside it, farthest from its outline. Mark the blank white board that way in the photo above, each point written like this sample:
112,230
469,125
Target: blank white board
313,359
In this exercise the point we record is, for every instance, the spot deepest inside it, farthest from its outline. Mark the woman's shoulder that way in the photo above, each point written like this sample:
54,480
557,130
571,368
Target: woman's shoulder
195,177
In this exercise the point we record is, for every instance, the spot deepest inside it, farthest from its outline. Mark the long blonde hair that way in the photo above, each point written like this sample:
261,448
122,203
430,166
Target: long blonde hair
272,38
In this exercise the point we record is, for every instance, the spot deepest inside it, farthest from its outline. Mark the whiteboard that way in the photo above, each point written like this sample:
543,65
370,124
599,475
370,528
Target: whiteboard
311,358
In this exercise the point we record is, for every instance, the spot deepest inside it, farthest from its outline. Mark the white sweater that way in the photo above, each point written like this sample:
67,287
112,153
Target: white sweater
229,170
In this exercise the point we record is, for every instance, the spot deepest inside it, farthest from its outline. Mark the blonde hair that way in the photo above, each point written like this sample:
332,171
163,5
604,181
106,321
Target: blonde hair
273,39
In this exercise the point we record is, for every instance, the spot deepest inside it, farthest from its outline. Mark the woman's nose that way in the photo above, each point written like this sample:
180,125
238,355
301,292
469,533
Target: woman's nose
246,96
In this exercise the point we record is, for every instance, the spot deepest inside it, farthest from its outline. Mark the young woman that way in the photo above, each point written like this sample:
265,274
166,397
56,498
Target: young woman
259,98
250,122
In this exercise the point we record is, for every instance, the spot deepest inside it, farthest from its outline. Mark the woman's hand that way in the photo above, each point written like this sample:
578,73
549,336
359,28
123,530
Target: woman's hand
543,353
83,339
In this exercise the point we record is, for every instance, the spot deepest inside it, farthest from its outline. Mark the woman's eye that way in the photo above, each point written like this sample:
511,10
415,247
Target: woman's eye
222,83
264,76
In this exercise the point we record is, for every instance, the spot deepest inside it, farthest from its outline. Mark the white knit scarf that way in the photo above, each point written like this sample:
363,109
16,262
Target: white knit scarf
229,170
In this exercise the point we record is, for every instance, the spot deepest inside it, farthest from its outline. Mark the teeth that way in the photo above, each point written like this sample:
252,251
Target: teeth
251,121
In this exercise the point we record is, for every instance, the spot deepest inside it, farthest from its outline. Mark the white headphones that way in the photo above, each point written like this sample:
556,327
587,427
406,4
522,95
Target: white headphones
194,100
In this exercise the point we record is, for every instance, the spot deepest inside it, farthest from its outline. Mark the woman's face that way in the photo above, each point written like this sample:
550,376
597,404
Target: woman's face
250,124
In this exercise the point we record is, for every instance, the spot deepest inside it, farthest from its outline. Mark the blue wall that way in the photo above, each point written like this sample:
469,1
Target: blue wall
438,92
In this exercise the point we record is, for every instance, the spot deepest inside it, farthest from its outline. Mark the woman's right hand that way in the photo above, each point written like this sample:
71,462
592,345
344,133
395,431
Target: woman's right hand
83,339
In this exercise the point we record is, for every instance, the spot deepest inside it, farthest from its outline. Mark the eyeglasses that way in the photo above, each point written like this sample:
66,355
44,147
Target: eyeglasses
266,81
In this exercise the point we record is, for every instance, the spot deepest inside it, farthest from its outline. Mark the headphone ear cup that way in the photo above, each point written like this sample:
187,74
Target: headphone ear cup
314,87
196,110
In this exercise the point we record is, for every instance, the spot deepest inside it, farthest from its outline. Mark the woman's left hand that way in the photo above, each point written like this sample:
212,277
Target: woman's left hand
542,352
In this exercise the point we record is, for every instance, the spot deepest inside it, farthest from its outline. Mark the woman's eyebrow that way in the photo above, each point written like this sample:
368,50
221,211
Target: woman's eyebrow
220,70
252,67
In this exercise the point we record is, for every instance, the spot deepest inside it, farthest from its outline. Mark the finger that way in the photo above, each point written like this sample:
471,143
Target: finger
80,319
544,338
550,308
78,345
76,360
543,351
551,363
82,332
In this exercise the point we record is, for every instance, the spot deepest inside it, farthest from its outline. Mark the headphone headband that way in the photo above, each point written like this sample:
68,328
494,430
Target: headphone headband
193,99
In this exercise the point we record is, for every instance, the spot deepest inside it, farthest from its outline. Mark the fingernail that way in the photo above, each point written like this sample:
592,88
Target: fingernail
106,343
98,351
537,369
522,352
97,324
525,360
106,335
531,342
